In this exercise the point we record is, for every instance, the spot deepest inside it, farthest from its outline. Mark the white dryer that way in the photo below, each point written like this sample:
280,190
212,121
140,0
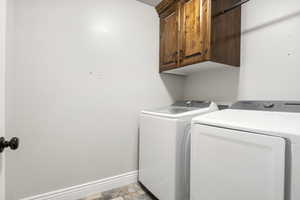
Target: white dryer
163,142
248,152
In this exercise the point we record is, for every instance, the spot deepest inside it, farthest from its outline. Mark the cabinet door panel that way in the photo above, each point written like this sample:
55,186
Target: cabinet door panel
169,39
195,27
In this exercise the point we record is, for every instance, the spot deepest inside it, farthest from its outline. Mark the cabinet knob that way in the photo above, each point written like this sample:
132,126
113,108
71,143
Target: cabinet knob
13,144
175,56
181,54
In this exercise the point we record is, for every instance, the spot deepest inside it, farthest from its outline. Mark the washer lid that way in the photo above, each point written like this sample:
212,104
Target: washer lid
183,108
282,124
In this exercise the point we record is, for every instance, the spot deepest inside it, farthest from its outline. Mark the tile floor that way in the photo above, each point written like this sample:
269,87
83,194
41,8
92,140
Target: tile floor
129,192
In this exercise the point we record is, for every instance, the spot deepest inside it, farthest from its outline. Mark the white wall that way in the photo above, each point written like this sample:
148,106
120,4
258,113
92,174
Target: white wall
218,84
81,72
270,61
151,2
2,89
270,57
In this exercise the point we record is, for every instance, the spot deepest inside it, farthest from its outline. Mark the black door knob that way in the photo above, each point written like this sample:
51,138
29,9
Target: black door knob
13,144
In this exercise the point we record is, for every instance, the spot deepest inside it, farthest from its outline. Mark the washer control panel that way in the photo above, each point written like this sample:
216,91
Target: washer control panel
191,103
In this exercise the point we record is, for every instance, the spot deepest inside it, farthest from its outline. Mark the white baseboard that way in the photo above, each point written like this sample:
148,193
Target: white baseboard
84,190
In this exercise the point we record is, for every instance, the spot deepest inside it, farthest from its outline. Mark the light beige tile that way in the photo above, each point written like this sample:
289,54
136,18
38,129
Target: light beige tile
119,198
94,196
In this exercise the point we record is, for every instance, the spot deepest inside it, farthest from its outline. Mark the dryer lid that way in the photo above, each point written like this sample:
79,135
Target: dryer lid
280,122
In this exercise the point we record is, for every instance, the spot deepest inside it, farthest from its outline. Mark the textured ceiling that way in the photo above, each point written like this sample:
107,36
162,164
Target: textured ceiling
151,2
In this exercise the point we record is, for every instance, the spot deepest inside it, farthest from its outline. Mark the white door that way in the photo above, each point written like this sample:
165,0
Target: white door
236,165
2,87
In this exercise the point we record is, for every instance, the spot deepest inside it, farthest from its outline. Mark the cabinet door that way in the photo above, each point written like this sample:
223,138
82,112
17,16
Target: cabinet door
169,38
195,31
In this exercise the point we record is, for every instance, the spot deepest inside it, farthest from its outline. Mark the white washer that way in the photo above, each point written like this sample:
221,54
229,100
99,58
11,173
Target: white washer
251,151
163,140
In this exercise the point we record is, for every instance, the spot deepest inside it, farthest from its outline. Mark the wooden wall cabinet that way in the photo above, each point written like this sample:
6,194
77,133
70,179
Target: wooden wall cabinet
193,36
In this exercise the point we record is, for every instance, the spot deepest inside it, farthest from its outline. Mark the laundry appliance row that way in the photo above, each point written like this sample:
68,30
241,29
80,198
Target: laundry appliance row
197,152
